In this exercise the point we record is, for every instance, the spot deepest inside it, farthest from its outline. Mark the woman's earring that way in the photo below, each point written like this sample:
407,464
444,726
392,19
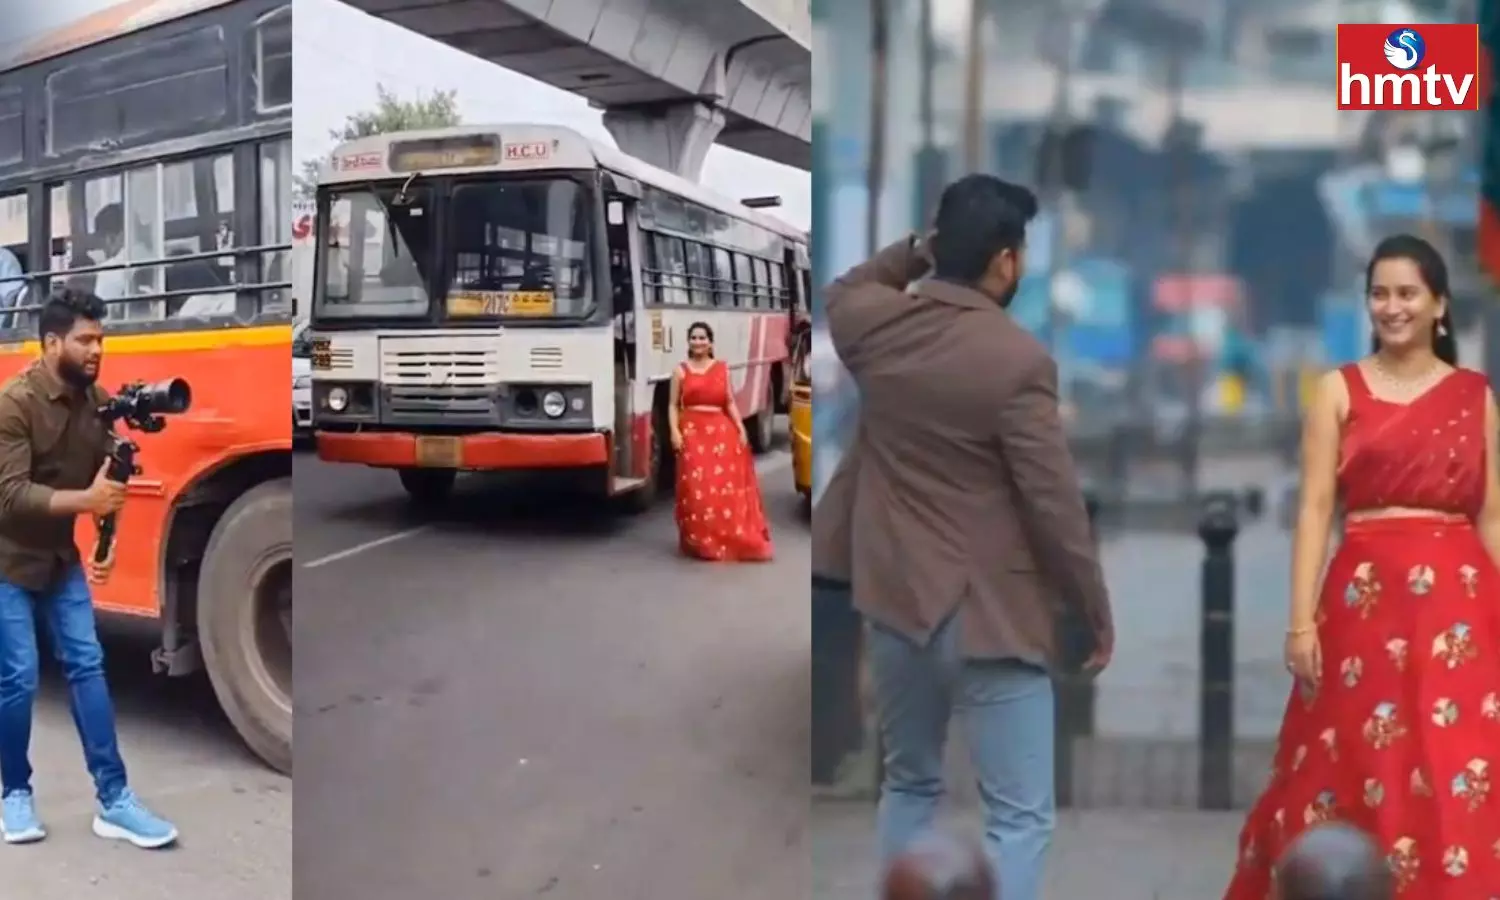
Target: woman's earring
1442,330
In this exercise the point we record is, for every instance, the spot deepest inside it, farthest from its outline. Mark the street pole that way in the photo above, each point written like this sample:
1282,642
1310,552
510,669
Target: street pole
927,176
879,66
1057,195
1182,158
974,90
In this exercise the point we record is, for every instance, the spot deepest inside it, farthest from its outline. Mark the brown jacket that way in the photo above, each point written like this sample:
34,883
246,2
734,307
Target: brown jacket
51,438
960,494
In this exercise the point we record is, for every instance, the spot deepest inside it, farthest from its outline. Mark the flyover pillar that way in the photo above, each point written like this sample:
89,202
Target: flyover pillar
671,136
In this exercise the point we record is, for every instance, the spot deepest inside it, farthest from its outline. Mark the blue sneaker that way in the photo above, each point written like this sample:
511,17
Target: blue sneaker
127,819
18,821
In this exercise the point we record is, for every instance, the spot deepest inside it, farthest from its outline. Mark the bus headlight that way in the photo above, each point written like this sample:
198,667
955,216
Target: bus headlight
554,404
338,399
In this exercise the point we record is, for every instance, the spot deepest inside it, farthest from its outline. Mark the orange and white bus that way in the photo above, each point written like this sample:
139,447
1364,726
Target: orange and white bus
516,297
173,119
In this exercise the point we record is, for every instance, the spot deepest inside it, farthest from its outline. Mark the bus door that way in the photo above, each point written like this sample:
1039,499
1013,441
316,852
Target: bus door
631,453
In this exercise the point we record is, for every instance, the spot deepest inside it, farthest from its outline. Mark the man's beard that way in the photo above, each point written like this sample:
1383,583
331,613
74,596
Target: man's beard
1010,294
75,373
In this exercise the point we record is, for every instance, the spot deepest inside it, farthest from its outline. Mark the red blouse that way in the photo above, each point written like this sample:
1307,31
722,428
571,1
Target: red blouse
1426,454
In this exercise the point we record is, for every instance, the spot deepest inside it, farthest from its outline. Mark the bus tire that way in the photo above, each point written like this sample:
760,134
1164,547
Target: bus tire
644,498
762,428
428,488
244,596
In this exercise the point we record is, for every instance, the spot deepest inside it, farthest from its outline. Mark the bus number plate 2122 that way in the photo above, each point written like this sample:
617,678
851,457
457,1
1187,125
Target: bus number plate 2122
439,452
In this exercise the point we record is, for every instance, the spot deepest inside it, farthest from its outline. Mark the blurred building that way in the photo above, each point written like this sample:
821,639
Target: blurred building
1214,249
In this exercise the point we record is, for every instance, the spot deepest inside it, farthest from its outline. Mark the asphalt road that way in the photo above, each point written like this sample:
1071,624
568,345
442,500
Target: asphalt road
530,696
185,761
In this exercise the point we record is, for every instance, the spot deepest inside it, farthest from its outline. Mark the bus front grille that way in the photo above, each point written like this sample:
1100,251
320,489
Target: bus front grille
445,368
438,405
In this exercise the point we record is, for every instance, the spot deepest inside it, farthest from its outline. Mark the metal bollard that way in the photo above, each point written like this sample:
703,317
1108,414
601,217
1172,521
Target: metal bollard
1074,693
837,718
1218,527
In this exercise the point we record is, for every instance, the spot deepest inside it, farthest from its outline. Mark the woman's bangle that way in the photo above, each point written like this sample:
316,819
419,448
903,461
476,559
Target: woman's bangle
1301,630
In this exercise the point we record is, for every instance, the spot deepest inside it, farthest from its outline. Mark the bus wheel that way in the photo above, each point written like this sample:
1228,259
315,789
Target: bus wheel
428,487
762,429
245,619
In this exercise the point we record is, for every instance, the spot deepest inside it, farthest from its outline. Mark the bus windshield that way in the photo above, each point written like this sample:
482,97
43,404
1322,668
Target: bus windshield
520,248
377,253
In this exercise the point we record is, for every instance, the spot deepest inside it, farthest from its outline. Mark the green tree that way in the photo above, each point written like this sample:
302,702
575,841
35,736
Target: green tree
390,113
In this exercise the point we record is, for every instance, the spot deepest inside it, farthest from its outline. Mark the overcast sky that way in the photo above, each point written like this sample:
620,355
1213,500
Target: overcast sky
340,55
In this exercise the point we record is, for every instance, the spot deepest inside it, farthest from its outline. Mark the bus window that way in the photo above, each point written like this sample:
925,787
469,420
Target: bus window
139,218
276,222
168,86
273,61
371,249
524,236
651,277
13,252
671,257
778,287
762,284
723,278
12,127
700,271
744,288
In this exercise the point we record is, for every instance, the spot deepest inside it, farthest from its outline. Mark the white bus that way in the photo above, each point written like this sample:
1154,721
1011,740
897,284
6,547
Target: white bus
516,297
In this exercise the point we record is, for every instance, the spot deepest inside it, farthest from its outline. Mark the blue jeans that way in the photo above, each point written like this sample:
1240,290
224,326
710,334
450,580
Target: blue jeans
1005,708
68,611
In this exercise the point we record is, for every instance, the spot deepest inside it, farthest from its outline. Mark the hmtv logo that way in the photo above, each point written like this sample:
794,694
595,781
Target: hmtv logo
1408,66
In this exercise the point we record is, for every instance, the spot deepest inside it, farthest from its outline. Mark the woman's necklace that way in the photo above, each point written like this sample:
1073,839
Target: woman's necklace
1402,387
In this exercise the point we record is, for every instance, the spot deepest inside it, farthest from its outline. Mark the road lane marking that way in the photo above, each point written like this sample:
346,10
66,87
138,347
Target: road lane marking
766,465
367,545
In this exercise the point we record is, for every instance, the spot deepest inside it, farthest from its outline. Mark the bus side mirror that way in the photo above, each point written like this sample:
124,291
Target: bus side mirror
615,212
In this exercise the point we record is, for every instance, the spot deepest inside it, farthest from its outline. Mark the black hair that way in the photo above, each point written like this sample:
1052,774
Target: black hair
978,216
706,330
110,220
65,307
1434,272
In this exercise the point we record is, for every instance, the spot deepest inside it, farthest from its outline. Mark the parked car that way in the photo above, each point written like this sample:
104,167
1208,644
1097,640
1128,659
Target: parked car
302,430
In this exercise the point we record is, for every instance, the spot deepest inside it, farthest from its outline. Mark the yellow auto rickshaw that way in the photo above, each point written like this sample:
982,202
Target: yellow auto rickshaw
799,417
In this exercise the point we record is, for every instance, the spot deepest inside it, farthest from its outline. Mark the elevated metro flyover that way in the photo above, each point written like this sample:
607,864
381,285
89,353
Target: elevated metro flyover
673,77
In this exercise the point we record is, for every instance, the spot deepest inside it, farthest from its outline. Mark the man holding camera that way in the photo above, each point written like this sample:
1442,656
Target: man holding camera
53,450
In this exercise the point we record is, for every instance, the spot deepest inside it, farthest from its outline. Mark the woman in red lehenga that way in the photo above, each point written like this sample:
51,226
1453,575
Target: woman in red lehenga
1394,722
719,513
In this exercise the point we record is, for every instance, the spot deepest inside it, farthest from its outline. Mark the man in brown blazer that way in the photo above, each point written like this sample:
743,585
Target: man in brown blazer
963,523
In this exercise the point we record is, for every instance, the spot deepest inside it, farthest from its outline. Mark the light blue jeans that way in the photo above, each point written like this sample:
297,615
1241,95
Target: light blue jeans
68,611
1005,707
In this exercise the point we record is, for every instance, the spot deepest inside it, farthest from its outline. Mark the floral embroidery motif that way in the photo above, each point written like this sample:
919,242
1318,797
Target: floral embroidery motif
1454,646
1351,669
1404,862
1472,785
1468,576
1383,727
1363,590
1395,649
1420,786
1420,579
1320,810
1444,712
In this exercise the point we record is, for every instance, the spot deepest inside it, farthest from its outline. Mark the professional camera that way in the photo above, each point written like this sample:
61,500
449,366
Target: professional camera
142,407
